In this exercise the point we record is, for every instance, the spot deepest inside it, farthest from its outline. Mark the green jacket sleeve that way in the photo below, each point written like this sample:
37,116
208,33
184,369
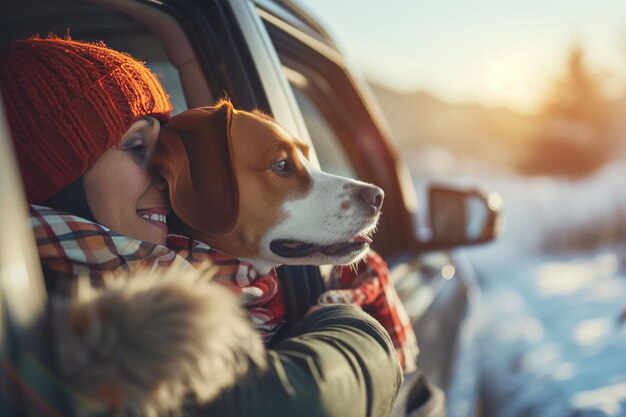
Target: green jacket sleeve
335,362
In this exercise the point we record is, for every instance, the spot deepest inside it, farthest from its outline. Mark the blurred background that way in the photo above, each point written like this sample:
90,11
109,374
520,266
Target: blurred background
526,98
527,91
507,82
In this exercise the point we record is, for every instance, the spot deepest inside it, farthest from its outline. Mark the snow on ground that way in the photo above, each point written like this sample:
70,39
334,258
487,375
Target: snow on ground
552,343
553,287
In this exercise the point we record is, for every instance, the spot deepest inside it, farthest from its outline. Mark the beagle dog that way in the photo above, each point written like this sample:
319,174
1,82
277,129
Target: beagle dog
242,184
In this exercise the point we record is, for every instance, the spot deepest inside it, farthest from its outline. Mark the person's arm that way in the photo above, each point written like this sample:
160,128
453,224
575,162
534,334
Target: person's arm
367,284
336,362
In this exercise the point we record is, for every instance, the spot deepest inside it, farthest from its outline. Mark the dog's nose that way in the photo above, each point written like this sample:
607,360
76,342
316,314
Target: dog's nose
372,196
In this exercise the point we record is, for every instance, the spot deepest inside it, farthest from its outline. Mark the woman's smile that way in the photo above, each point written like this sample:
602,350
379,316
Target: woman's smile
156,216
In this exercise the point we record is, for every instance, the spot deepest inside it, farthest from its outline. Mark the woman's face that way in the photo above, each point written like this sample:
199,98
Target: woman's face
122,193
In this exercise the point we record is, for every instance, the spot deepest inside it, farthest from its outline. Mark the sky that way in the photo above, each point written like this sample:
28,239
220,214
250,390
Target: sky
494,52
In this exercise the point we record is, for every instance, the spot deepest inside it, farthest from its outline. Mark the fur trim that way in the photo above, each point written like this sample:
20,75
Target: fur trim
143,343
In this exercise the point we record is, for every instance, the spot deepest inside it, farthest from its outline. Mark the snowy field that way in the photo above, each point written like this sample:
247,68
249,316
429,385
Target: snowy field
549,337
541,213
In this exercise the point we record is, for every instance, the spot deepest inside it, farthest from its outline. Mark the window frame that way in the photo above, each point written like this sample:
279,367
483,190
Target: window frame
344,106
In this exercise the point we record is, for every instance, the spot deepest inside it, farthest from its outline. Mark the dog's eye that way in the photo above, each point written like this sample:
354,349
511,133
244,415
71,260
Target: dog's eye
280,166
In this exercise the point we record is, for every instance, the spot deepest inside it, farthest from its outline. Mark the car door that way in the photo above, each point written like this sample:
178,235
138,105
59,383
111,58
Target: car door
26,388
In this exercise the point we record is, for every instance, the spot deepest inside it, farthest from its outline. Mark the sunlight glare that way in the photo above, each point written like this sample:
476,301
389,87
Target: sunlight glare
605,399
591,331
494,201
510,78
448,271
567,278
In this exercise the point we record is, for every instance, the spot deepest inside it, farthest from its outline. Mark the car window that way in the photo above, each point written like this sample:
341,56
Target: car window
94,23
331,155
170,79
149,50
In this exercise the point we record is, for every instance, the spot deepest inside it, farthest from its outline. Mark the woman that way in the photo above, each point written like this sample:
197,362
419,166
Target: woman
85,120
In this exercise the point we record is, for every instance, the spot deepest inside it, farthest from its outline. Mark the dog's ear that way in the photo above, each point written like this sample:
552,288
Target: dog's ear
193,155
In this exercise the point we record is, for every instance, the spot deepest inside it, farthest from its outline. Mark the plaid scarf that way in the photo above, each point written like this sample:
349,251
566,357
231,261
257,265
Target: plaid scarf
70,246
260,294
367,285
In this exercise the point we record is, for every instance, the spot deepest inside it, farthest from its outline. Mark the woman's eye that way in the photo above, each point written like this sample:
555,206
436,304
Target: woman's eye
138,149
280,166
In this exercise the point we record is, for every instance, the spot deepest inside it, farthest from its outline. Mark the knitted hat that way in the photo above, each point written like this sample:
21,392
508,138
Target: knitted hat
67,103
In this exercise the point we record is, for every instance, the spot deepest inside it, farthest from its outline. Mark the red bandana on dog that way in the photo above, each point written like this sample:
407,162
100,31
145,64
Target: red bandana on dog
367,286
261,295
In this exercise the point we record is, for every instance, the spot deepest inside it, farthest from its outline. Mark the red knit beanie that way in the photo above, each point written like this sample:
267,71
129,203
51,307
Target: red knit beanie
67,103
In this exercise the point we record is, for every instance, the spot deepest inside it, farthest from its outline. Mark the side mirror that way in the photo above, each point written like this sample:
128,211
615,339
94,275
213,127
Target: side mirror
461,217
